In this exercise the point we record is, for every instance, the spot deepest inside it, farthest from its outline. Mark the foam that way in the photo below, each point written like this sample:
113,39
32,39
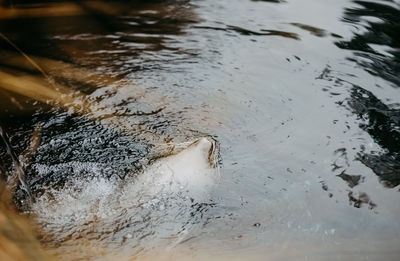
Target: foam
154,204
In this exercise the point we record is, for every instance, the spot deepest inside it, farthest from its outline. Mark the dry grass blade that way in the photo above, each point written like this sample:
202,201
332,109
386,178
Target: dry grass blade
35,88
52,9
26,56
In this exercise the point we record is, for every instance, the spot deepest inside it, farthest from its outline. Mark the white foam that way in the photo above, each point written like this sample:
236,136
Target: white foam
154,202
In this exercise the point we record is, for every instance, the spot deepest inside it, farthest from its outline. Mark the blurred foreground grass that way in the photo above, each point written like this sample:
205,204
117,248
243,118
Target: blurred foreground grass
17,238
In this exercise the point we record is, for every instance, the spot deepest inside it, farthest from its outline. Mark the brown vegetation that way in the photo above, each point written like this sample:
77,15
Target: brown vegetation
17,239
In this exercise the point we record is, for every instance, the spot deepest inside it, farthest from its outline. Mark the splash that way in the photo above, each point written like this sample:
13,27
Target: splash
148,209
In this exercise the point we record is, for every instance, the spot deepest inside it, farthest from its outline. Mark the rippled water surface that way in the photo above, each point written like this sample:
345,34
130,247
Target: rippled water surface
302,97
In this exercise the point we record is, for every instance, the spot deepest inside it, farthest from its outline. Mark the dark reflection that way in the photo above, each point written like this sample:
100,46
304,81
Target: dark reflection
351,180
377,48
383,124
84,46
342,160
270,1
247,32
360,199
315,30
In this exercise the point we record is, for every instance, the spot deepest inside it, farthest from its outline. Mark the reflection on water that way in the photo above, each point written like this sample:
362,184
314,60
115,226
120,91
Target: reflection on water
244,31
376,44
376,49
309,142
315,30
383,124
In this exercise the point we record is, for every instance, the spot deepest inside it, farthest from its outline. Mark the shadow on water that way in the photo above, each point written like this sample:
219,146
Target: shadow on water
269,1
376,42
315,30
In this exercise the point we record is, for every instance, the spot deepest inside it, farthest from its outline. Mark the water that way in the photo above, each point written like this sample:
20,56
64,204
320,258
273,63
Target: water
302,97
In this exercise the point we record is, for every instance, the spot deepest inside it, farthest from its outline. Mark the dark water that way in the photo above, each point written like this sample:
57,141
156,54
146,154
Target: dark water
303,98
